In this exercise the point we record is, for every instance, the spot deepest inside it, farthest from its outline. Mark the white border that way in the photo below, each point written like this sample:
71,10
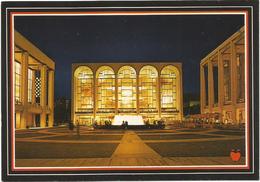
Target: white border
116,14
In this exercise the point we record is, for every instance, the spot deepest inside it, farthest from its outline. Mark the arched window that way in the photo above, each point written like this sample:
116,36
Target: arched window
84,89
147,87
127,87
169,76
106,88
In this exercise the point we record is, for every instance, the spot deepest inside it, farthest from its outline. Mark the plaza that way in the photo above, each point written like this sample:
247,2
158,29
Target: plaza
57,147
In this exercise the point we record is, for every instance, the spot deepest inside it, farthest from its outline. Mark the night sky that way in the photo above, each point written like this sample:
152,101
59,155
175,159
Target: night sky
185,39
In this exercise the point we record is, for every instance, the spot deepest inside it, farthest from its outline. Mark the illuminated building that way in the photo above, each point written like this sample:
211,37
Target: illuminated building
222,76
101,91
33,80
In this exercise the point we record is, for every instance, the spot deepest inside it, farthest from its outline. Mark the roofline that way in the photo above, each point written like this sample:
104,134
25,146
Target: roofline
223,44
23,43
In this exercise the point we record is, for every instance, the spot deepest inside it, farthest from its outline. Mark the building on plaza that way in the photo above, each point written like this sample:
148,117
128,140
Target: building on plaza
33,80
105,91
222,77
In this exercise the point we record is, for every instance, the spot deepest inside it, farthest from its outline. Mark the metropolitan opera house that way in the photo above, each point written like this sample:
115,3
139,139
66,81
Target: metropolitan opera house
134,92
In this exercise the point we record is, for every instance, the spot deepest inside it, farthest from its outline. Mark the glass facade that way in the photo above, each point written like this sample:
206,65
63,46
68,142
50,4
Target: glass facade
168,87
240,60
17,82
227,79
148,79
102,92
84,89
106,88
30,83
127,88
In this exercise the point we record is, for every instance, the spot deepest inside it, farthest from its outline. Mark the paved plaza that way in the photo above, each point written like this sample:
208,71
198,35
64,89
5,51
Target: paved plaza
58,147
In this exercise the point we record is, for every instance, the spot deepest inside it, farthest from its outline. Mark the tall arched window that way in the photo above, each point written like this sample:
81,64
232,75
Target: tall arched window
84,89
169,78
106,88
127,88
147,88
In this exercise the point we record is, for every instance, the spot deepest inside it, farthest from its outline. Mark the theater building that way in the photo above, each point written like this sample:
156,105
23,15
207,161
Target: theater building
33,85
136,92
222,77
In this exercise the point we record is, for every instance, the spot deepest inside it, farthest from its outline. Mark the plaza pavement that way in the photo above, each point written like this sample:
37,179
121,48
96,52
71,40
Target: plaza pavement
56,147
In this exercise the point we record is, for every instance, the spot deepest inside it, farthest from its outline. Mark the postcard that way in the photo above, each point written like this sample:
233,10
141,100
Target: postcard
130,90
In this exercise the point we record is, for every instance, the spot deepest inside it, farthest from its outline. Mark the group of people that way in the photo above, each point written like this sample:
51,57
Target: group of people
124,124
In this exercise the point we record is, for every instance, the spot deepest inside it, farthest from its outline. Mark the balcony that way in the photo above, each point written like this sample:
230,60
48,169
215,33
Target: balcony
169,110
148,110
84,111
106,110
127,110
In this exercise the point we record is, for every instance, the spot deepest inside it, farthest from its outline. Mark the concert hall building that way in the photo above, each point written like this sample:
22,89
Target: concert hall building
222,76
33,85
137,92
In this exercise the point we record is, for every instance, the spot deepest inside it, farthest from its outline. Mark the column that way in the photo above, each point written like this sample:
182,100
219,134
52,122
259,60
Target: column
137,94
233,81
159,95
24,88
220,84
95,96
43,70
181,95
210,86
202,89
51,97
116,94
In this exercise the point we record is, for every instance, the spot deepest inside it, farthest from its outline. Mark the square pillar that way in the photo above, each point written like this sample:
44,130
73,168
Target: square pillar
158,87
51,97
220,84
202,89
137,94
116,94
43,71
210,86
24,88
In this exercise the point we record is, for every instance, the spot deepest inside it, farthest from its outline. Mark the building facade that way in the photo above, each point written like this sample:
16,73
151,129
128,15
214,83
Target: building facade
33,80
101,91
222,77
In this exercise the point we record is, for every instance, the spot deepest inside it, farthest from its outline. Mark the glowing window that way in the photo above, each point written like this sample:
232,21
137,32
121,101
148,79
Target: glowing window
226,57
17,82
127,87
147,87
30,73
168,86
106,88
83,89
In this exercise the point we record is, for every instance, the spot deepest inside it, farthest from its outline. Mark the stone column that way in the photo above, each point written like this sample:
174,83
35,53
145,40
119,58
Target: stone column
181,94
51,97
43,71
116,94
210,86
137,94
220,83
158,100
24,88
233,81
95,95
202,89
